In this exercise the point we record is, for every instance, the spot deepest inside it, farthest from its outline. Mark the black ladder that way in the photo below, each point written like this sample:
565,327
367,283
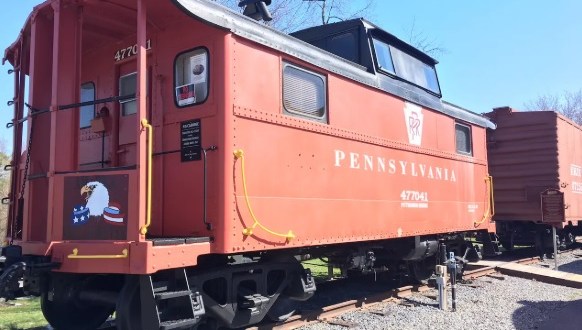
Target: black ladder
172,304
490,244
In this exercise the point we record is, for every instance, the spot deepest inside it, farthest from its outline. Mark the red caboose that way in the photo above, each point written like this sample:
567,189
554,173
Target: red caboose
199,153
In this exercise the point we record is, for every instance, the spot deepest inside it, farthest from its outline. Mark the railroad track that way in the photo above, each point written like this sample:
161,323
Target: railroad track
329,313
487,270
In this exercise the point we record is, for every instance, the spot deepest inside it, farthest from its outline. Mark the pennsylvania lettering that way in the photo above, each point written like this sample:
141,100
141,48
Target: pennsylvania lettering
379,164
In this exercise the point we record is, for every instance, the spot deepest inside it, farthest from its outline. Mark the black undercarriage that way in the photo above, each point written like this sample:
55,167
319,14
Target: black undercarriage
222,291
528,233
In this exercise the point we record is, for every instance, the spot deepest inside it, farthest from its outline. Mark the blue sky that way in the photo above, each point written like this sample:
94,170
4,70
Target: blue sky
497,52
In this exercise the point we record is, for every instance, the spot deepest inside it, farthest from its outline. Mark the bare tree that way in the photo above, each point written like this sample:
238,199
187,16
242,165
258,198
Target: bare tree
568,104
292,15
4,191
423,42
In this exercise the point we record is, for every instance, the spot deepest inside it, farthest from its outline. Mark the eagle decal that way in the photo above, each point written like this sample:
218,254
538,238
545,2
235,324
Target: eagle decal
97,205
97,197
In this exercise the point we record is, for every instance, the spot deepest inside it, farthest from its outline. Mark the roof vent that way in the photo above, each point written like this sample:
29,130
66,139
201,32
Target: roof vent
256,9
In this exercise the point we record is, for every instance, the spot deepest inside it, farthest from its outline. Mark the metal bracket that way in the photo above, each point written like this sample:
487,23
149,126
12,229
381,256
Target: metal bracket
254,303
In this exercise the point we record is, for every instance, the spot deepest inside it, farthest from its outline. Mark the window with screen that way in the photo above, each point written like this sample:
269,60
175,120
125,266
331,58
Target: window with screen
463,139
304,93
191,77
87,112
127,87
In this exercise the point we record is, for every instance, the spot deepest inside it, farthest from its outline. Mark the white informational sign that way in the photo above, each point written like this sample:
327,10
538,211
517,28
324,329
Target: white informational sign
198,68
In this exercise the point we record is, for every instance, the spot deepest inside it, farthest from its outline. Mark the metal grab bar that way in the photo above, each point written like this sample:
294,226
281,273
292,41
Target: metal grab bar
75,255
146,125
490,211
35,111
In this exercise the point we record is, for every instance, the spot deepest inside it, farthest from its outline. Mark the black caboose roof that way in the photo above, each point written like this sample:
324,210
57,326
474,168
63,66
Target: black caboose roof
363,26
222,17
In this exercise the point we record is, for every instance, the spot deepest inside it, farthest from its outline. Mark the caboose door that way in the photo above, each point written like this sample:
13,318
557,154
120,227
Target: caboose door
126,152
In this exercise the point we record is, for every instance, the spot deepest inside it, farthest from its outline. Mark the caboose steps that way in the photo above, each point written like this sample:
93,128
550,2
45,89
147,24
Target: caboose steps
172,305
490,243
171,294
178,324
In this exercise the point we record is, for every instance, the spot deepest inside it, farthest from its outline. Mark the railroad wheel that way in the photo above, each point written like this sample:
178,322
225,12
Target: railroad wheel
283,309
567,240
422,270
128,308
507,245
9,280
64,313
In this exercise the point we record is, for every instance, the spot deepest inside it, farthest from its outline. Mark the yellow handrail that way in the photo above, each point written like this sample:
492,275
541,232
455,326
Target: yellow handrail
248,231
75,255
492,200
145,124
490,211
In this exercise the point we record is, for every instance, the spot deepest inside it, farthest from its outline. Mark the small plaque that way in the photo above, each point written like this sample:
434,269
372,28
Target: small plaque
552,204
190,140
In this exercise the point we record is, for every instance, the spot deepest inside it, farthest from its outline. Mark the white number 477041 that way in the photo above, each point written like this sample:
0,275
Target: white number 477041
413,195
130,51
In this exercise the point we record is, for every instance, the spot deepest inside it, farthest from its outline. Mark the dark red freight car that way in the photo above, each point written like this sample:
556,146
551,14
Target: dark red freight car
182,158
534,156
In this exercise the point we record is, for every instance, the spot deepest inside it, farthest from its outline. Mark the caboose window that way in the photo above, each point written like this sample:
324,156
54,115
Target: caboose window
344,45
127,86
463,139
392,60
87,112
191,77
383,56
414,70
304,93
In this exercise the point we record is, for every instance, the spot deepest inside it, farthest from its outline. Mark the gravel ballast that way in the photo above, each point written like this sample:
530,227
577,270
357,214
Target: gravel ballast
490,302
570,262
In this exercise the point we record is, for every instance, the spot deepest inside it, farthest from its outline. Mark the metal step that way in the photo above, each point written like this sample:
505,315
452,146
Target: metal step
160,286
171,294
177,324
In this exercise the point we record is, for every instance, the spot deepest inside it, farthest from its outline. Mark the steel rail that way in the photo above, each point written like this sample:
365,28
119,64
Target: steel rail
328,313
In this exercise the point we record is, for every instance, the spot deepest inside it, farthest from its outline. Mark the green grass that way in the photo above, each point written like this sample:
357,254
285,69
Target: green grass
21,314
319,269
